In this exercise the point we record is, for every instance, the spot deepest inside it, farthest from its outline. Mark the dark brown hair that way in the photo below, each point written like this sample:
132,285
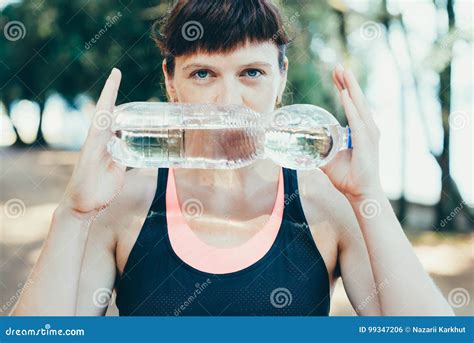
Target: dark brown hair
218,26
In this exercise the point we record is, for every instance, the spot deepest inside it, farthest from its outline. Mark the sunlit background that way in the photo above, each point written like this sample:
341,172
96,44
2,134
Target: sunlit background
414,59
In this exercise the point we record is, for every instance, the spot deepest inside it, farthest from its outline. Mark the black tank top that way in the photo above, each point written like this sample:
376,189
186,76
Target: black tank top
291,279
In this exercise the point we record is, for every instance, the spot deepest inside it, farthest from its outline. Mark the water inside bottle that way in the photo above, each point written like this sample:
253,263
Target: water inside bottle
211,147
300,148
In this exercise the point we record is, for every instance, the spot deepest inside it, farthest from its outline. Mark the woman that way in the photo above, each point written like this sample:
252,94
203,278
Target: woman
250,251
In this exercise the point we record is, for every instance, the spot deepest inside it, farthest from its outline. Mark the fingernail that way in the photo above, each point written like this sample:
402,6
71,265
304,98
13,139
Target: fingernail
339,66
114,71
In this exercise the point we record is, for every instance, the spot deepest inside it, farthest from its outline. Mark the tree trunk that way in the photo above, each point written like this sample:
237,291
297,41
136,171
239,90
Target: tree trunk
40,142
450,197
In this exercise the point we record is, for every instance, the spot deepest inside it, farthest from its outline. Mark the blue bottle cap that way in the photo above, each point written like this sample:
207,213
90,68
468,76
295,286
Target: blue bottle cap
349,138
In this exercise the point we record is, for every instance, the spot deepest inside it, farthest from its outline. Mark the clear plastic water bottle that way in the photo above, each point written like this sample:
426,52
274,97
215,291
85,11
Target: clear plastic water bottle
207,136
213,136
304,137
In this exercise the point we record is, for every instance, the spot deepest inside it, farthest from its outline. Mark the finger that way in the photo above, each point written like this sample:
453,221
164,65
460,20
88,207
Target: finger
357,96
109,92
353,117
336,81
103,116
360,102
339,72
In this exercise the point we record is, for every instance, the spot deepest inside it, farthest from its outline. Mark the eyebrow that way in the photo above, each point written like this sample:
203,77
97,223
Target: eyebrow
207,66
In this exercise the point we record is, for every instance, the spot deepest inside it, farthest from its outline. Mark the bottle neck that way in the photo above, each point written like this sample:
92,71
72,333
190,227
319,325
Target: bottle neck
346,137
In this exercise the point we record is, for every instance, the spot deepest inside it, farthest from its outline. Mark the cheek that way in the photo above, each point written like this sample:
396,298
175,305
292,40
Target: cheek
192,92
262,97
186,91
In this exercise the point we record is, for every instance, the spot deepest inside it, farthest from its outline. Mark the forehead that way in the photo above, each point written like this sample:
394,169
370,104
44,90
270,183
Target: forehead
248,53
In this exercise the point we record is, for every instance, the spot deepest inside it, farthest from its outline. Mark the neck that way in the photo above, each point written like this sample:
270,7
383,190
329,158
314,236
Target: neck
232,179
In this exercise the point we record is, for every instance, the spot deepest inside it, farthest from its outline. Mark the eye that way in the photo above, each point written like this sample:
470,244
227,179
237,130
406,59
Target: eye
253,73
200,74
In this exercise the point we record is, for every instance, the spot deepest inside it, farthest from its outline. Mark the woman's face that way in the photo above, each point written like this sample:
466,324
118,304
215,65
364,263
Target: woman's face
249,76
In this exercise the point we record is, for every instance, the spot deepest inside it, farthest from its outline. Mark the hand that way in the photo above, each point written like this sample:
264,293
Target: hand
97,179
355,172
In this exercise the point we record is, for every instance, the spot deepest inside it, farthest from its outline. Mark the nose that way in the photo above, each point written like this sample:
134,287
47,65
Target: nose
229,92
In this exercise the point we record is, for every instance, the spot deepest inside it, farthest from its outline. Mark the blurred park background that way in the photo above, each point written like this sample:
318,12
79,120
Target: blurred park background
413,57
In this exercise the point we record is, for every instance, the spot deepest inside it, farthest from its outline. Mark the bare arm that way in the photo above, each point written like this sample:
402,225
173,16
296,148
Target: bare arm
54,281
328,207
404,287
53,284
356,267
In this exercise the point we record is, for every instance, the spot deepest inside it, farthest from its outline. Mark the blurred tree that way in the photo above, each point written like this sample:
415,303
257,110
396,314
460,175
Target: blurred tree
450,197
70,47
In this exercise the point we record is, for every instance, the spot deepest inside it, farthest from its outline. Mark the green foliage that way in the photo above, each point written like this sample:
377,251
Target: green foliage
71,46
